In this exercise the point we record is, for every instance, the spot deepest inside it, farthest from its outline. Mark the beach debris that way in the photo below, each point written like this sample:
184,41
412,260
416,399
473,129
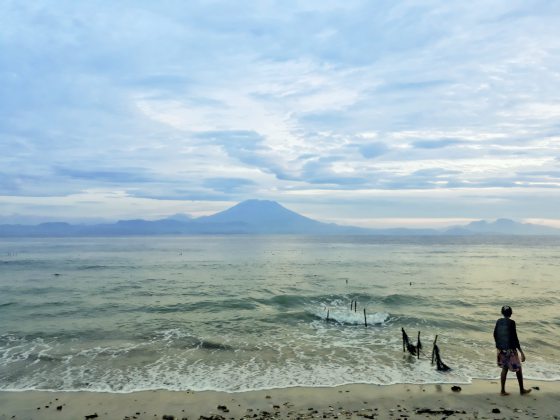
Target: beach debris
212,417
407,345
496,410
59,408
223,408
456,388
444,411
435,355
168,417
91,416
536,388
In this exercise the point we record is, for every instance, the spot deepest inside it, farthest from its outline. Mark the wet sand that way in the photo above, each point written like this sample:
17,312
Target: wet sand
478,400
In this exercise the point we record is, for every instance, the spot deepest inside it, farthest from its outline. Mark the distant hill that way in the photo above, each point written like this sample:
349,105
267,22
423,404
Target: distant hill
248,217
181,217
502,227
259,217
262,216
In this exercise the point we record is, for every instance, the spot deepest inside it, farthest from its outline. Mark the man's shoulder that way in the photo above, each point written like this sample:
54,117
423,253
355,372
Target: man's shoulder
505,321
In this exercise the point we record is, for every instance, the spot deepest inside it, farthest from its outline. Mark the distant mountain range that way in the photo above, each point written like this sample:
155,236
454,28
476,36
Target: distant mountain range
258,217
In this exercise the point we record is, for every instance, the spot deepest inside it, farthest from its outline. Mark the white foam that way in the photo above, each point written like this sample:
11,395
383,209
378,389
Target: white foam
342,314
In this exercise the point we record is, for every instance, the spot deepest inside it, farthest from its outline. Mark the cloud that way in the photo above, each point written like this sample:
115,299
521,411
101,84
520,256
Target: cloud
111,176
412,85
373,150
228,185
436,144
219,101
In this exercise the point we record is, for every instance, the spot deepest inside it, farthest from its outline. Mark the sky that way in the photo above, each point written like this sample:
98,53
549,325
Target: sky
368,113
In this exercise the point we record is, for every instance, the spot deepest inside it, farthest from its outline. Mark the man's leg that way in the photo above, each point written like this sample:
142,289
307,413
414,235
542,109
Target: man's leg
503,377
522,390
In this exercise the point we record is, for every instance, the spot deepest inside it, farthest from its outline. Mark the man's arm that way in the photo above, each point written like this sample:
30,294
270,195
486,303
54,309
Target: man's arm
515,340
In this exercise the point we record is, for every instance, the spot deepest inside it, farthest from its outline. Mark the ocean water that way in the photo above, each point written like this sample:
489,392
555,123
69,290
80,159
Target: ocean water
239,313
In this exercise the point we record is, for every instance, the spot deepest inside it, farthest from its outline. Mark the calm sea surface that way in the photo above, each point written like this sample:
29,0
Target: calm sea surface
249,312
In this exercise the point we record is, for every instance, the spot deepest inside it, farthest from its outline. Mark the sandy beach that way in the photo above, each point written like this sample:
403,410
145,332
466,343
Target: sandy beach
478,400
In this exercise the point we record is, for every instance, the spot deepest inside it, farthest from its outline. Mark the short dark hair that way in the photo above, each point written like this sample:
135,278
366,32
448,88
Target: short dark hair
506,311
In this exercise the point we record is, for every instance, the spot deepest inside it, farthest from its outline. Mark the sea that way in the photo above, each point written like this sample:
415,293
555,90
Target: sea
237,313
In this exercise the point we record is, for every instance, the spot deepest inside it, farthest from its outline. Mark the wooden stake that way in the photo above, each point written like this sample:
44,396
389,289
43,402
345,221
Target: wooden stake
433,348
365,317
327,314
418,346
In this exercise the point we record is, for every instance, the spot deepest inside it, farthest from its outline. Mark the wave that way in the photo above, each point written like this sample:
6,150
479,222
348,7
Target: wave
95,267
228,377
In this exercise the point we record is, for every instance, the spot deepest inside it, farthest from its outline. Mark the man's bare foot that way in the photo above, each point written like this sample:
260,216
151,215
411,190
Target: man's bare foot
525,391
504,393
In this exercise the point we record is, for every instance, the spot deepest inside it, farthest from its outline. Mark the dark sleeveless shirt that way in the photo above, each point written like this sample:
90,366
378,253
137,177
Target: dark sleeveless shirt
505,334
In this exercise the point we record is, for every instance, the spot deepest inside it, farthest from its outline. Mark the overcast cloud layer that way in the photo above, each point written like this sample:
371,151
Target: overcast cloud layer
359,112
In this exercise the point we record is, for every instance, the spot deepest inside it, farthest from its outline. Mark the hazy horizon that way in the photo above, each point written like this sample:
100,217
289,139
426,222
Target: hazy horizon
380,223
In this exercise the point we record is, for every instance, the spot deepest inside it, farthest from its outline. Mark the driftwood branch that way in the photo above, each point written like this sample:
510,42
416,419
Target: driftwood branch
435,355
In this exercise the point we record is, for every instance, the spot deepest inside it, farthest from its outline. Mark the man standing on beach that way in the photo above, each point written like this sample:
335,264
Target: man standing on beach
507,344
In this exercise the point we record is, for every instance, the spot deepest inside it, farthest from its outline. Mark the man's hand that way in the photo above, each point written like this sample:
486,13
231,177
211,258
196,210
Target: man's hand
522,356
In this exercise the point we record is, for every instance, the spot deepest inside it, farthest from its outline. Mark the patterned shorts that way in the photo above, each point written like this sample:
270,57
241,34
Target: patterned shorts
509,359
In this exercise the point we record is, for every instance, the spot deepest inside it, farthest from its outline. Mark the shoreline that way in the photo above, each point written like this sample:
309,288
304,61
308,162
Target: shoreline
480,399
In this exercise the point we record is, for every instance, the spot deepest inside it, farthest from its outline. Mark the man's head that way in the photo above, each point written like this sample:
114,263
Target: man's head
506,311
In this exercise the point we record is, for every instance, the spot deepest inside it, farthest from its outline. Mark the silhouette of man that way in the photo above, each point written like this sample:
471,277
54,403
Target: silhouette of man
507,344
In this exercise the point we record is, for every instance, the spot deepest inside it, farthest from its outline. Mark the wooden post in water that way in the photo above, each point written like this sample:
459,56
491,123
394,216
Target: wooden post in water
327,314
418,346
365,318
355,306
433,348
